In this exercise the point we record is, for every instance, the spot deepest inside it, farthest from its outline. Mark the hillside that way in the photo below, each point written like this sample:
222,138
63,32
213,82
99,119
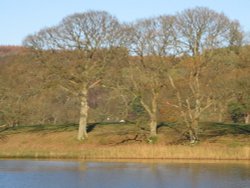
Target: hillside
10,50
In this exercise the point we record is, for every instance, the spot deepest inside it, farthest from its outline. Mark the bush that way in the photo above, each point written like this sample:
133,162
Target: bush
237,111
137,110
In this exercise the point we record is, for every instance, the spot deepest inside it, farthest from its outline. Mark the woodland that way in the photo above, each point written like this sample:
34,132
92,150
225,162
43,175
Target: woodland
185,69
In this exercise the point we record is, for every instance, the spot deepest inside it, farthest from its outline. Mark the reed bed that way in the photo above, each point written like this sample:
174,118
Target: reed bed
138,152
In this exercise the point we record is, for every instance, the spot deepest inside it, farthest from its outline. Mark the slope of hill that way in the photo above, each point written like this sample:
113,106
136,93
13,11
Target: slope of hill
10,50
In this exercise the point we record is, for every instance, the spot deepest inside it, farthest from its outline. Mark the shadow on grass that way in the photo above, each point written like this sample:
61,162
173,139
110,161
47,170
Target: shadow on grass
47,128
210,130
91,127
166,124
177,127
38,129
207,130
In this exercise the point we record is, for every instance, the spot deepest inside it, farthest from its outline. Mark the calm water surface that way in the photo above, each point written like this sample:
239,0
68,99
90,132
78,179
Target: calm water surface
65,174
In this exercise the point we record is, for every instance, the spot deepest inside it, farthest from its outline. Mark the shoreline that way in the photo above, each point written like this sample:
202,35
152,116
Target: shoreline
136,152
148,161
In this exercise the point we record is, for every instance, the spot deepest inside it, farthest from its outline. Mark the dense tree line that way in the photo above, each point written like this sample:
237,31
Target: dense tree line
186,68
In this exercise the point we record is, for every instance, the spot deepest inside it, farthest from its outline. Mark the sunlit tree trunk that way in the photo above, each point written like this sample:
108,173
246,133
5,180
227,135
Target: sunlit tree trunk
82,130
194,116
153,124
247,118
152,113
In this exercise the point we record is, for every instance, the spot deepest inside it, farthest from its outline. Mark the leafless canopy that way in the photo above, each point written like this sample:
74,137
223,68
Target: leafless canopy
82,31
201,28
153,36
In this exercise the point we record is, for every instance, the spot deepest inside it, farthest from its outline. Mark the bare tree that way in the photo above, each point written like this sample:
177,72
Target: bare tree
235,34
146,82
193,98
76,52
153,36
201,28
149,41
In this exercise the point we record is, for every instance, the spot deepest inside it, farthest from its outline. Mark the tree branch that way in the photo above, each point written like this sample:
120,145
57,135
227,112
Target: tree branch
94,84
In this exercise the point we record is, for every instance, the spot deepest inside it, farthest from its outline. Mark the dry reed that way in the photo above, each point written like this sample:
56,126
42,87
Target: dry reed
138,152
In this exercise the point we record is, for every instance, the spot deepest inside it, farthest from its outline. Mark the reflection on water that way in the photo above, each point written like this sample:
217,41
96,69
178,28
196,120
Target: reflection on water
64,174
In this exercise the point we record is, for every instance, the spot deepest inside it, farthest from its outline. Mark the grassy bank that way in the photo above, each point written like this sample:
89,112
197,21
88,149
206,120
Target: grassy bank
124,141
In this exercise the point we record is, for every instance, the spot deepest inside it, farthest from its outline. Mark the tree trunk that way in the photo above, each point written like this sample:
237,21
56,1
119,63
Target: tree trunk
191,135
153,126
247,118
152,113
193,132
196,128
82,130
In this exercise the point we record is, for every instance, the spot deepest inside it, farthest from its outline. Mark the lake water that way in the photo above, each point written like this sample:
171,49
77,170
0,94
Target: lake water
74,174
